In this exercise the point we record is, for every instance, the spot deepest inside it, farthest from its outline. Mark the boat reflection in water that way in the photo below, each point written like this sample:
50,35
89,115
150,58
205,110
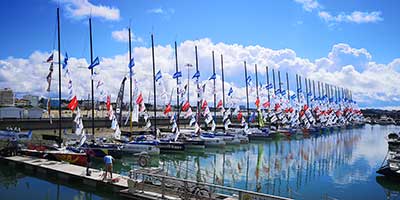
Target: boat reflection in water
319,166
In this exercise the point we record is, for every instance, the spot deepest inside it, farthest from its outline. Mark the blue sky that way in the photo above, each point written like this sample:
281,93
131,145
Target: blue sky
29,26
334,41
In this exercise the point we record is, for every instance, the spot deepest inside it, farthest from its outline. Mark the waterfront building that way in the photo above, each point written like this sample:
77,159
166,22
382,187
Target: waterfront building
32,99
7,97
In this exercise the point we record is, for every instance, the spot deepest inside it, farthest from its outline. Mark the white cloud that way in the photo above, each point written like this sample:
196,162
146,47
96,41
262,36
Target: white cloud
355,17
156,11
82,8
166,13
123,36
309,5
343,66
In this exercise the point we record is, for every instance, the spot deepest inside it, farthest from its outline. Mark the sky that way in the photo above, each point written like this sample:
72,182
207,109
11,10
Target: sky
349,44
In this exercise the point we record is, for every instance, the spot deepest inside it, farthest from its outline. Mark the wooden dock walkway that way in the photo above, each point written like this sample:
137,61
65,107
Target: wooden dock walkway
138,188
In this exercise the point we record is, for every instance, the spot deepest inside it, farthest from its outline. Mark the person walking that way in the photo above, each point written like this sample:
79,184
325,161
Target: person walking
108,160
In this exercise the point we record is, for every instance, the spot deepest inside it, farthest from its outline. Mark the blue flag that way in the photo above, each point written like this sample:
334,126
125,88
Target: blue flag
158,75
299,90
283,92
309,94
196,75
293,96
230,92
213,77
252,117
177,75
269,86
65,63
248,80
277,91
95,62
131,63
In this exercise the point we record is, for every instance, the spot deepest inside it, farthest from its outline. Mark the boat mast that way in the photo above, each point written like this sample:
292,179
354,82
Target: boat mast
258,121
267,71
297,85
91,70
154,87
215,93
305,82
177,83
59,78
223,81
279,81
130,82
247,89
198,94
287,86
313,87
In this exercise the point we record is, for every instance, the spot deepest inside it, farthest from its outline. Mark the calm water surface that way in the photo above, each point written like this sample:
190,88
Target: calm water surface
338,165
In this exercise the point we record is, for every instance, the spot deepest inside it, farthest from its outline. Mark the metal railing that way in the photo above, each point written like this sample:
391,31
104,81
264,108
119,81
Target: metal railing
168,186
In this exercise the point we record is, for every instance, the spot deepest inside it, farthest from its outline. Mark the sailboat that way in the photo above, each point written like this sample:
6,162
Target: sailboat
165,144
197,134
230,135
139,144
56,153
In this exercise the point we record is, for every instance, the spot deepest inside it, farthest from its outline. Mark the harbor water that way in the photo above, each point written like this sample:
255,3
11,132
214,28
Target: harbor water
340,164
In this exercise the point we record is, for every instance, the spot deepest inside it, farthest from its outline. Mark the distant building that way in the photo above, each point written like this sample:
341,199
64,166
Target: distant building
33,100
35,113
11,112
6,97
21,102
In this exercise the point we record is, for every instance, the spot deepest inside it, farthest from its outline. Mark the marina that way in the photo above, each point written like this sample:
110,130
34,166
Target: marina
115,106
297,168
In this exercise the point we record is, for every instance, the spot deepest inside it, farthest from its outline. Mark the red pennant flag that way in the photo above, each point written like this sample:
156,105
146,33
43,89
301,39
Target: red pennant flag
139,99
301,113
266,104
108,103
167,109
257,102
204,105
305,107
291,110
73,103
219,104
277,106
239,116
186,106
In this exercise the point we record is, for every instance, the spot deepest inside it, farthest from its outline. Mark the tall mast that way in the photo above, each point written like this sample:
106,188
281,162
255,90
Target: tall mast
255,66
198,94
313,87
319,90
247,89
305,81
279,81
258,121
273,79
215,93
177,83
223,81
59,78
267,71
130,82
154,86
287,86
297,85
91,70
